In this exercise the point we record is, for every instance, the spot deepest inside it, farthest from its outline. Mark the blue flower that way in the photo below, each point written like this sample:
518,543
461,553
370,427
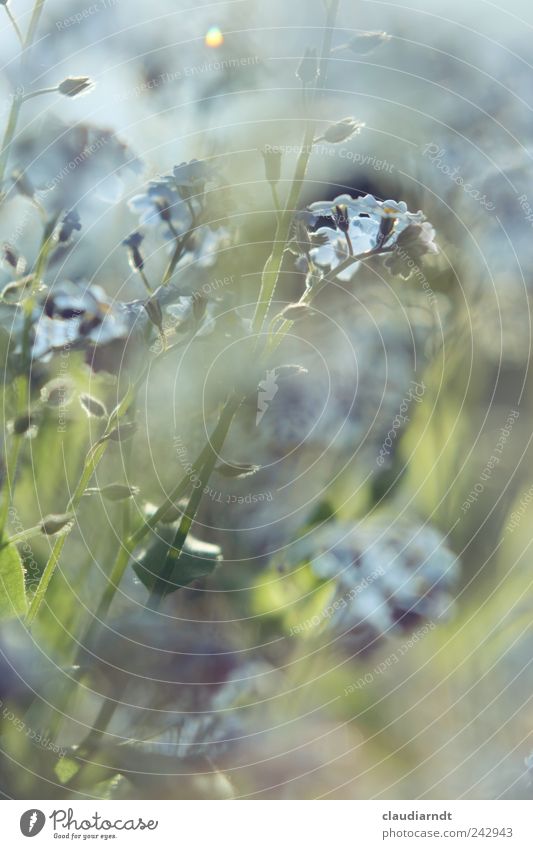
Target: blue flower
161,203
366,224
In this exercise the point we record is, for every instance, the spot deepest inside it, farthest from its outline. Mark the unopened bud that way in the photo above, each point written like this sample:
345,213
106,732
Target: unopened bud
72,86
386,226
115,491
10,257
342,130
56,523
237,470
24,425
93,407
341,218
70,222
367,41
283,372
57,392
133,243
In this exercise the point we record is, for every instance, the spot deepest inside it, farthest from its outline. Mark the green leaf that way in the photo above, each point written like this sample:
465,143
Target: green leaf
198,559
12,593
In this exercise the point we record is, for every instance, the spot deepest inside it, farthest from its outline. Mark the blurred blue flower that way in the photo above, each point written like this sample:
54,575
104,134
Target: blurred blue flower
161,203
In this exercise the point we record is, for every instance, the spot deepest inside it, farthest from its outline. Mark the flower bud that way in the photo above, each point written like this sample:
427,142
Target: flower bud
290,370
10,256
72,86
24,425
342,130
70,222
366,42
272,160
56,523
386,227
341,218
57,392
93,407
237,470
133,243
115,491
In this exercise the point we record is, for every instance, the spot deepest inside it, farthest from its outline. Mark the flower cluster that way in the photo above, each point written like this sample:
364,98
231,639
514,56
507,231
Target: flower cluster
180,206
387,576
362,226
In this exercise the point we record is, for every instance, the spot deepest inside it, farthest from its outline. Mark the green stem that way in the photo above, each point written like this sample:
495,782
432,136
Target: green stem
22,535
275,198
38,92
213,449
121,563
272,269
11,468
169,271
38,7
14,25
310,294
9,134
91,462
14,113
12,458
145,281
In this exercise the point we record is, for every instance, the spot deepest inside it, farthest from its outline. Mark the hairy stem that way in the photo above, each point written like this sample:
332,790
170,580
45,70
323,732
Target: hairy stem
213,449
18,99
272,269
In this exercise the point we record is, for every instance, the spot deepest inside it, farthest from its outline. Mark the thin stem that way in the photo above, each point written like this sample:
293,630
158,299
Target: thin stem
14,112
272,269
144,279
13,456
9,134
91,461
117,573
169,271
275,198
22,535
14,25
349,244
38,92
11,469
214,447
34,23
310,294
